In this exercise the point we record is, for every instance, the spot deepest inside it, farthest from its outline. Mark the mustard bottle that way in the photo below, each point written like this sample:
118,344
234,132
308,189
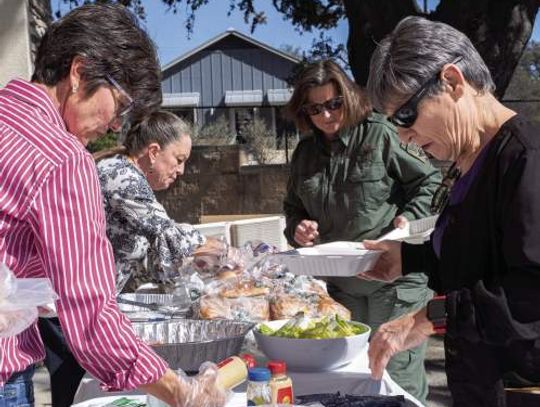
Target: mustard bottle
233,371
281,387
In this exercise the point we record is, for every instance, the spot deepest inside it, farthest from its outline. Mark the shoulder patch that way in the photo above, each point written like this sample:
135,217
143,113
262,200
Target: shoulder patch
415,151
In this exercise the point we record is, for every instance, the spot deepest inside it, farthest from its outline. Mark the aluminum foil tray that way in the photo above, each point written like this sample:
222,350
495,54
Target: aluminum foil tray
187,343
166,304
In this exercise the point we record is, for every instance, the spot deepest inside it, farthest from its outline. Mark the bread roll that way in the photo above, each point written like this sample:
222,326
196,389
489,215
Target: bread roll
285,306
328,307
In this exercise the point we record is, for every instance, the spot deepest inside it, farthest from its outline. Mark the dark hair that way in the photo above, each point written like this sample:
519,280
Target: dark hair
160,127
110,41
356,104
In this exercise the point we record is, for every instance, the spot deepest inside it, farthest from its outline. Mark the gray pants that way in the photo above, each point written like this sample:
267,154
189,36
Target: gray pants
375,303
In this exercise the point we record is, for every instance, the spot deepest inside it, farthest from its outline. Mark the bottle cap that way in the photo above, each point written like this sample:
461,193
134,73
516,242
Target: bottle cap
249,359
277,366
259,374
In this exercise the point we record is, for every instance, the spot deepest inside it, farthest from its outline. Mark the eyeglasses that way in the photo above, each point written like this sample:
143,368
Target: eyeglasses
330,105
442,194
406,115
125,107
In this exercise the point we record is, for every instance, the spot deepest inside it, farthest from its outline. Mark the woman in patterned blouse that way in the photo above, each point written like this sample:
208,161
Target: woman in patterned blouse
148,245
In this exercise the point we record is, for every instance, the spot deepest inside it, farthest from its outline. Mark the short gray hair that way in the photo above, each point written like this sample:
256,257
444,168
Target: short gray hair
414,52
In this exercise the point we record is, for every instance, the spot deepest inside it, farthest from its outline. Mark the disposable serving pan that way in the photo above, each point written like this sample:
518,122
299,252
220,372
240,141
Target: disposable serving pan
336,259
187,343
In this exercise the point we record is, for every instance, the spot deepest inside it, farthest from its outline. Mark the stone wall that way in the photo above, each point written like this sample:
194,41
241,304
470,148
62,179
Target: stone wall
215,184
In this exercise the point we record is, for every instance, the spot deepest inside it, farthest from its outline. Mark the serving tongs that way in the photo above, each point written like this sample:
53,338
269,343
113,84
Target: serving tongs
153,306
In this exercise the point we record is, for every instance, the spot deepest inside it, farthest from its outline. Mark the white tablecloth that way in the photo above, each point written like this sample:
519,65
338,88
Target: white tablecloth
353,378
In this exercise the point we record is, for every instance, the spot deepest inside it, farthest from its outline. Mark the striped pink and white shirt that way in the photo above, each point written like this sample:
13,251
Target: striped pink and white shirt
52,225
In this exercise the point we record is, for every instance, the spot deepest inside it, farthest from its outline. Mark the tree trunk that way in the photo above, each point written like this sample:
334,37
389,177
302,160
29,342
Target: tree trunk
499,29
369,22
40,17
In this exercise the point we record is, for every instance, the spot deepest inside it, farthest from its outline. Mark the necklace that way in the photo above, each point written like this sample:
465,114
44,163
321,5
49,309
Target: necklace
442,194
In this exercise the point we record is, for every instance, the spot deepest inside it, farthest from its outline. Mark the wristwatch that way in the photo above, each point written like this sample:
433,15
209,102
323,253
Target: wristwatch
436,313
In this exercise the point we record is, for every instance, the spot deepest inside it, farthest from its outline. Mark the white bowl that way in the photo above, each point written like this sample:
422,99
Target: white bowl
311,355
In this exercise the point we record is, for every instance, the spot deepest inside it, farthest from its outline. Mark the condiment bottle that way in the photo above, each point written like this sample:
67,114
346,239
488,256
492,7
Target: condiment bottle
249,359
234,370
258,388
281,386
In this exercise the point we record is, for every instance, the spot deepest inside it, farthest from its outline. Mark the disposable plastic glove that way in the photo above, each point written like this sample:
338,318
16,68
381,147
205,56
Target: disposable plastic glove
202,390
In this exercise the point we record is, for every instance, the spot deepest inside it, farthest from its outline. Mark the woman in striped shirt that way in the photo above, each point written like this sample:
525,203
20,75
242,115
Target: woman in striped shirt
94,68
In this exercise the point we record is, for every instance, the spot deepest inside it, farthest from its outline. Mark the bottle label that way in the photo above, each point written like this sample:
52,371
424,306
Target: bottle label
225,362
284,395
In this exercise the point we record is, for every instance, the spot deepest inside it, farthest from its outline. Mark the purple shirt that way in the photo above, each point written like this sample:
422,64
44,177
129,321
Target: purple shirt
457,195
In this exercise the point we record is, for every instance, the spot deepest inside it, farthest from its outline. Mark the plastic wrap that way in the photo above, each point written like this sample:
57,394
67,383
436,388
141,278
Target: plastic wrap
19,299
202,390
286,306
241,308
251,284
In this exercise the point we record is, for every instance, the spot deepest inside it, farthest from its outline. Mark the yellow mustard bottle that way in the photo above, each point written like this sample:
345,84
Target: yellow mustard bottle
233,371
281,386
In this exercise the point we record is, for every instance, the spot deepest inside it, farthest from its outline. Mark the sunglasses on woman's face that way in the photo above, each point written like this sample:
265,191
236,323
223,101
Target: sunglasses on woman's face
406,115
330,105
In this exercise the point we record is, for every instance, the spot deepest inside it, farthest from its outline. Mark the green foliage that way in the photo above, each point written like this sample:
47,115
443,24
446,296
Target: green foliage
295,51
260,140
370,21
215,133
109,140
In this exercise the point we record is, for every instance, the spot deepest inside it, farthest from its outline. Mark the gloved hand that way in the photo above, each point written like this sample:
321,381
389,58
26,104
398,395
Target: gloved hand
202,390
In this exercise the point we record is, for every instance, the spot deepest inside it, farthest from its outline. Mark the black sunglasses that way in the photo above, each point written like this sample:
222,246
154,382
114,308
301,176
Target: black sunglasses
330,105
406,115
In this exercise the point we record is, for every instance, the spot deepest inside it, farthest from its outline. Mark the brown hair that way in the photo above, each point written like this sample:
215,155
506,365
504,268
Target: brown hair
111,42
160,127
356,104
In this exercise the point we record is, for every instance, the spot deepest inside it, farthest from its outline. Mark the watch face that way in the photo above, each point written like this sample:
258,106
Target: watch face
436,309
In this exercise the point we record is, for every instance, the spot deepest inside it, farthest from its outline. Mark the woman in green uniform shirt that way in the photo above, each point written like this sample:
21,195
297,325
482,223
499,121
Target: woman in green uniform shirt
351,179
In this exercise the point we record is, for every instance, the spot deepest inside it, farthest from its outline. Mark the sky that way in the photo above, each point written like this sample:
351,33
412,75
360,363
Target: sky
169,33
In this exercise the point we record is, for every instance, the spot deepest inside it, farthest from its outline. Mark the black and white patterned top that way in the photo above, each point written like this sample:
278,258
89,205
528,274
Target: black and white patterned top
148,245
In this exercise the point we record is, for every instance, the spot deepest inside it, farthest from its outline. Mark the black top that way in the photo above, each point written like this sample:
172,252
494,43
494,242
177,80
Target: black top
490,253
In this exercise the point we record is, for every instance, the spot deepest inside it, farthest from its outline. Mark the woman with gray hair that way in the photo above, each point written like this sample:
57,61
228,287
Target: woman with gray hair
149,246
484,254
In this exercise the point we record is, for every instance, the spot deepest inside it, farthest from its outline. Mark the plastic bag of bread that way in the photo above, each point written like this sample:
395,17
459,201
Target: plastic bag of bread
244,288
305,284
328,307
215,306
286,306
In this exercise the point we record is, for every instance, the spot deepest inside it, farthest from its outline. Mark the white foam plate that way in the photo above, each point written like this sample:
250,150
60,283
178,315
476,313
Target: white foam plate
338,259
